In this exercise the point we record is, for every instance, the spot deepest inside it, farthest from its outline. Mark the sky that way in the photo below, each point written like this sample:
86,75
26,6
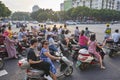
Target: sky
26,5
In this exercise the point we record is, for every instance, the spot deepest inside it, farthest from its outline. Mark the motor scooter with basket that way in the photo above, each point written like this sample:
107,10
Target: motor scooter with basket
65,68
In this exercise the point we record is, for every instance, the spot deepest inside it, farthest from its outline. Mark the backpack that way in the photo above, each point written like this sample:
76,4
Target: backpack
108,30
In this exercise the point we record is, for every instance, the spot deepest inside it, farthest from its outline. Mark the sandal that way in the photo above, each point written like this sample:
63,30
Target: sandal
103,67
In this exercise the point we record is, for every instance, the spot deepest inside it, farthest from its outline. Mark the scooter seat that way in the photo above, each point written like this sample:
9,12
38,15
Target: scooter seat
35,73
76,49
36,70
85,54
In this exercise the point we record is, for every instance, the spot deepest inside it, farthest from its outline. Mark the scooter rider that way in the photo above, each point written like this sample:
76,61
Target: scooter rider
107,32
52,43
116,36
92,49
33,60
46,56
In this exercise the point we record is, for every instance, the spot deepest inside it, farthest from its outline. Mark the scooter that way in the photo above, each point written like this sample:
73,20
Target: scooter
3,51
85,59
1,63
65,50
65,68
75,49
111,48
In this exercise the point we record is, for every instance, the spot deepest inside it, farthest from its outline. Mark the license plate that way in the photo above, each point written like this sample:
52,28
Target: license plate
78,63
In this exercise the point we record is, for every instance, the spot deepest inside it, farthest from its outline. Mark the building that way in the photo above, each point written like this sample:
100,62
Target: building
67,5
35,8
62,7
98,4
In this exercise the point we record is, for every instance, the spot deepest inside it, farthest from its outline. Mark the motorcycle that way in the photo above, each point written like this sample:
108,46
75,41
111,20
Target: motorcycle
85,59
75,49
21,50
111,48
65,68
1,63
3,51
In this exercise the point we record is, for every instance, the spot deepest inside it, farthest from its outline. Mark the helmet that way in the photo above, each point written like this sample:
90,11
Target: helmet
107,25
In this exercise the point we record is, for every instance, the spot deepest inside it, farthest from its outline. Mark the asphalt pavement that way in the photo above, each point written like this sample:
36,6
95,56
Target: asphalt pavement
11,71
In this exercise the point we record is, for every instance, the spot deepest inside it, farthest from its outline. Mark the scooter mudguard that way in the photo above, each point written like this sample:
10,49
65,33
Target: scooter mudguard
78,63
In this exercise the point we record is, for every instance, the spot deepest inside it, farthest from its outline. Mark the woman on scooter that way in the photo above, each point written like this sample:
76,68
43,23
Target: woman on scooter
10,45
34,61
46,56
92,49
83,40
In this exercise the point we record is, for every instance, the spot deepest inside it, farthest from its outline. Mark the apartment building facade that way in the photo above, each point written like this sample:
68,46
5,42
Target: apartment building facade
98,4
94,4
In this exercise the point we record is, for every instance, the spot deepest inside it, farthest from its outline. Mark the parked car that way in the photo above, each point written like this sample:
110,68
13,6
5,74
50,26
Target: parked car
70,22
19,24
77,22
49,22
35,22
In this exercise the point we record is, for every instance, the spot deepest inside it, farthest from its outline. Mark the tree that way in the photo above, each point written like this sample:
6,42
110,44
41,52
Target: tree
44,15
78,13
4,11
21,16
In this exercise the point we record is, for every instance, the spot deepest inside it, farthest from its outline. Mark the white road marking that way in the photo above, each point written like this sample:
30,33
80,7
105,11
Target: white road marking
3,72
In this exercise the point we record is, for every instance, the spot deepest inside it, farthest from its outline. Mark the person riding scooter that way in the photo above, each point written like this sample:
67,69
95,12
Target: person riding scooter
92,49
46,56
83,40
52,43
116,36
34,61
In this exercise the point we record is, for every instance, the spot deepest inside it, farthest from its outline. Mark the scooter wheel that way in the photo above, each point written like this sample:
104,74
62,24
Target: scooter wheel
84,66
68,71
1,64
27,78
111,54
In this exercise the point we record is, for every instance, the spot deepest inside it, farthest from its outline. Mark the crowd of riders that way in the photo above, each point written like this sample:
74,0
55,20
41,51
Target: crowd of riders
84,38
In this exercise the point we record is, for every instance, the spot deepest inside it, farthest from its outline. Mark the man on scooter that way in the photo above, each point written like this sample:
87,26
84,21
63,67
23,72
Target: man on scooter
34,61
52,43
116,36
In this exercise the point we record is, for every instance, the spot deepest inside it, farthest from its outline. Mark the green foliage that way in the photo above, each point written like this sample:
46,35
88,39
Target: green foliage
78,13
21,16
44,15
4,11
100,15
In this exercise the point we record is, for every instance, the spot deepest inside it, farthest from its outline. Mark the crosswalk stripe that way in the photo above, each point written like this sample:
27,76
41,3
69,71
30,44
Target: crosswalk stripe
3,72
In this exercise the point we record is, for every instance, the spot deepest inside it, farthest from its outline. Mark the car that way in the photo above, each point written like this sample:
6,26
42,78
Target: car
35,22
49,22
77,22
70,22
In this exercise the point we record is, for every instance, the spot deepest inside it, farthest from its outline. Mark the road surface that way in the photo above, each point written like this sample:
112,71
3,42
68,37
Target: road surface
11,70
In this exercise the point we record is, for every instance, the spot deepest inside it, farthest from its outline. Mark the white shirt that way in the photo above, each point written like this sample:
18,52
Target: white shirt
59,31
51,41
36,27
116,37
76,32
50,33
67,35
